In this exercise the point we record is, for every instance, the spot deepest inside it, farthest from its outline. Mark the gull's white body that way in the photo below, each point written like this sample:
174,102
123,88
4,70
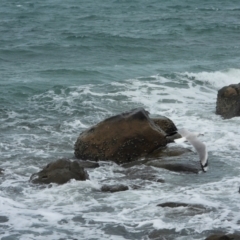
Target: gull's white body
198,145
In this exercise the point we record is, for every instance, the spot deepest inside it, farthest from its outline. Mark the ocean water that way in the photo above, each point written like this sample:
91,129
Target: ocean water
66,65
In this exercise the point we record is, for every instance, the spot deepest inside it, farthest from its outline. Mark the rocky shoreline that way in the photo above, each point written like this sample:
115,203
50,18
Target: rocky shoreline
128,139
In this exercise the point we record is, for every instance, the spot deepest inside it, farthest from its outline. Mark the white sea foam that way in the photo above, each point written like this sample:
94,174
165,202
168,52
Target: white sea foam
217,79
72,209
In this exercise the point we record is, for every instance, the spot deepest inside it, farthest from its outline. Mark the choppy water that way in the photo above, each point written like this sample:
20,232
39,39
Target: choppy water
65,66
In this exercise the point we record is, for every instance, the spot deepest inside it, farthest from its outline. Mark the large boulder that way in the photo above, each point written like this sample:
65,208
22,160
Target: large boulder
228,101
60,172
124,137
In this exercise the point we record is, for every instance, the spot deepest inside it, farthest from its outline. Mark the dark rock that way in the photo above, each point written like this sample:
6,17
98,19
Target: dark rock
1,171
176,204
3,219
114,188
60,171
175,166
79,219
223,237
165,124
194,208
122,138
185,209
228,101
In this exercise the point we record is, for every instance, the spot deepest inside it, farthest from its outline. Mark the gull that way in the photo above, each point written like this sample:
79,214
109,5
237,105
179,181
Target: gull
198,145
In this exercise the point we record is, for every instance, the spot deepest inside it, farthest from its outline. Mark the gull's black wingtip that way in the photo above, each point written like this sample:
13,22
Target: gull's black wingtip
205,167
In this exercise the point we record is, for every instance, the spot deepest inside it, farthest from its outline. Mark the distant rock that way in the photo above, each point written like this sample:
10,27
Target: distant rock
228,101
223,237
1,171
60,172
114,188
124,138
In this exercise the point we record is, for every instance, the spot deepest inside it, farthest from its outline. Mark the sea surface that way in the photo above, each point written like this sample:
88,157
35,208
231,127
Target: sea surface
66,65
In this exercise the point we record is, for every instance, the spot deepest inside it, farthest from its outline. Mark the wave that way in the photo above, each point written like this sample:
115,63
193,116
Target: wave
217,79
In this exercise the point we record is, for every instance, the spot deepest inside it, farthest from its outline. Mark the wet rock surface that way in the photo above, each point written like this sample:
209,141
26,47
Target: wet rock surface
165,124
123,138
228,101
114,188
60,172
173,151
175,166
174,159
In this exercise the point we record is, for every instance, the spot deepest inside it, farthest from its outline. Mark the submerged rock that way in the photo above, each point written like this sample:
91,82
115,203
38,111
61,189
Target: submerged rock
195,208
60,171
124,137
223,237
1,171
164,234
144,173
114,188
3,219
228,101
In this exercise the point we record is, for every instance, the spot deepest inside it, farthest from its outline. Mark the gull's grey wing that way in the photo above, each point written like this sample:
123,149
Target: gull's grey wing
201,150
198,145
